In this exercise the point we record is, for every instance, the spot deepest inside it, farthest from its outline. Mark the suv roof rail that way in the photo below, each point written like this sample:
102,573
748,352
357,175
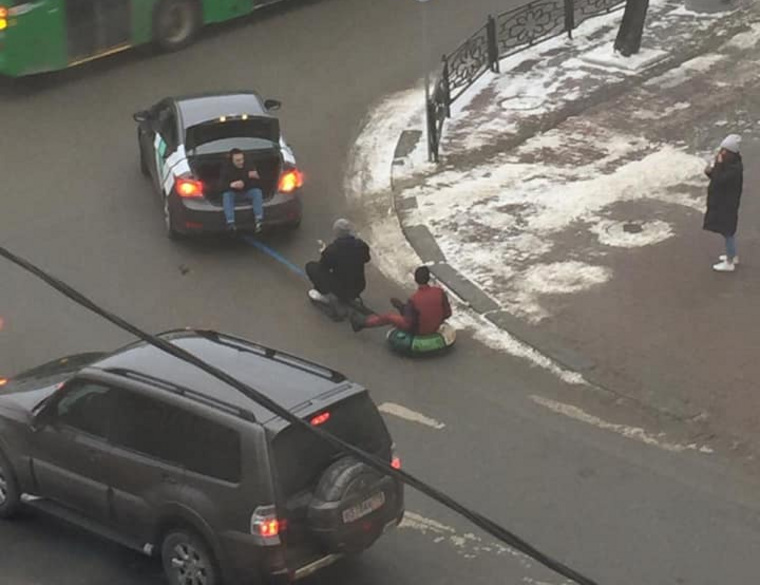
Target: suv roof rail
264,351
184,391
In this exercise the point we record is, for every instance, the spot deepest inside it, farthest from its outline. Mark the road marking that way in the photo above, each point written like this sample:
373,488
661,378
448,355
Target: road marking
634,433
468,545
410,415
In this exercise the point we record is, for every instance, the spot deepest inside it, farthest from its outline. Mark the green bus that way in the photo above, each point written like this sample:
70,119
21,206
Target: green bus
45,35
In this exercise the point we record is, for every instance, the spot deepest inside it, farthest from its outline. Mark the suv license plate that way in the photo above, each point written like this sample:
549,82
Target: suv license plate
368,506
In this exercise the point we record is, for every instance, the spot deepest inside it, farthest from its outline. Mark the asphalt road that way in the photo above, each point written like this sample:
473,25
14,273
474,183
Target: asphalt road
75,202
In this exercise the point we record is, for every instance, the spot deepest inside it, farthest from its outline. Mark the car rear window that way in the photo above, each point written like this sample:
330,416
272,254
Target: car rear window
301,457
222,136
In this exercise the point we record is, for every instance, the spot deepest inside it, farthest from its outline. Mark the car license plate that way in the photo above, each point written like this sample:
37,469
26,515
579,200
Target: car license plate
368,506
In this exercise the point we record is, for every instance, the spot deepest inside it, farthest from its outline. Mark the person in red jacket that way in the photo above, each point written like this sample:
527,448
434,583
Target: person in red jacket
423,314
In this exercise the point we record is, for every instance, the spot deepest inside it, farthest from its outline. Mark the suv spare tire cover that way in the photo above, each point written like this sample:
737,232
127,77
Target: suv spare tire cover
345,484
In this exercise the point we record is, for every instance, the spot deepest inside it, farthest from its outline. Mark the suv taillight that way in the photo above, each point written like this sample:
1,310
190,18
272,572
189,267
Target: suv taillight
395,459
266,526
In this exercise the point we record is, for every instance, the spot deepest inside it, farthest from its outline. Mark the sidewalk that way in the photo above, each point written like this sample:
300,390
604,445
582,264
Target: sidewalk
567,209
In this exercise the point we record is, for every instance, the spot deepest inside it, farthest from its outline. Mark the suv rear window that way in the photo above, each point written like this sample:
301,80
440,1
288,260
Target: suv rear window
174,435
301,458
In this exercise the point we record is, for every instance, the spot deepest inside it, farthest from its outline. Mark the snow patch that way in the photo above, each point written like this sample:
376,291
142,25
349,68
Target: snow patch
617,233
684,11
372,155
499,224
660,115
563,277
496,338
468,544
746,40
686,71
608,57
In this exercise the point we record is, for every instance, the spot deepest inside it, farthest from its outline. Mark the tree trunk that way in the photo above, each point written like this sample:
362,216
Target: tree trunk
628,41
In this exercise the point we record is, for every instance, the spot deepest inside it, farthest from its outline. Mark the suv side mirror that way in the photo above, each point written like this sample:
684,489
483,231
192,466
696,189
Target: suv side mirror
272,105
40,419
141,116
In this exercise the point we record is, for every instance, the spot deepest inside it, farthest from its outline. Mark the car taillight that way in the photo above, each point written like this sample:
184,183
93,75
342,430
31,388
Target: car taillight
395,459
290,180
189,188
3,18
3,382
266,526
320,419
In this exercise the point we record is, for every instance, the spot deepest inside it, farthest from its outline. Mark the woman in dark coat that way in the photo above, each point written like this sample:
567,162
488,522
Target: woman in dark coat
723,197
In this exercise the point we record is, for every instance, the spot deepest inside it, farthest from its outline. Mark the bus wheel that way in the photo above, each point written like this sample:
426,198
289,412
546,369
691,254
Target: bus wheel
175,23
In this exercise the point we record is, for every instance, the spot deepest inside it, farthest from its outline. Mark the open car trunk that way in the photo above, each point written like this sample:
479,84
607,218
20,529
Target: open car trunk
208,168
208,146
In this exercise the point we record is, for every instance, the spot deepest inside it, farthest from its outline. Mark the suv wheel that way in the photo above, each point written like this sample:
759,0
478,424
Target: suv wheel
187,560
10,498
176,23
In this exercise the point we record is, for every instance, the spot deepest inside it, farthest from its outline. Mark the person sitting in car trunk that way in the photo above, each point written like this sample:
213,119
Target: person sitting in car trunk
240,177
423,314
339,273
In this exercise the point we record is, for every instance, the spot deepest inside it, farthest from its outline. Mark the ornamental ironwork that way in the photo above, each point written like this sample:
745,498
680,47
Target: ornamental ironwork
587,8
502,36
528,24
468,63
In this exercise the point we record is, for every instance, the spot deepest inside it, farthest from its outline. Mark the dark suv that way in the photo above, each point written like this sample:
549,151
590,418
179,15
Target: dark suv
145,449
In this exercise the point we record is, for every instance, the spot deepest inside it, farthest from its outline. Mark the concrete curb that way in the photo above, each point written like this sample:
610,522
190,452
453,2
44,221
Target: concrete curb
426,247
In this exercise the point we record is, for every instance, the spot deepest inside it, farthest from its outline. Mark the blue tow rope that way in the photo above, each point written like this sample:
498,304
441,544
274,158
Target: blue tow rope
274,254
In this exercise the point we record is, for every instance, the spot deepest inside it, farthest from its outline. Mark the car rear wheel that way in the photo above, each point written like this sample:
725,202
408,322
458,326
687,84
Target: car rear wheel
187,560
143,167
169,223
10,498
175,23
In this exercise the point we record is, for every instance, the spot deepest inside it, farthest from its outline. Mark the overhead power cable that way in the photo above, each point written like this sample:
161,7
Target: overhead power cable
384,467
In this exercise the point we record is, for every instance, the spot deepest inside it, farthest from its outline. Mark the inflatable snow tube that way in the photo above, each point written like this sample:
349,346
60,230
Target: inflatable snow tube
419,345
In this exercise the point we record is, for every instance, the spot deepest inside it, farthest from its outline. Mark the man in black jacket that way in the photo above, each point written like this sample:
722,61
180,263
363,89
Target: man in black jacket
239,177
723,198
340,269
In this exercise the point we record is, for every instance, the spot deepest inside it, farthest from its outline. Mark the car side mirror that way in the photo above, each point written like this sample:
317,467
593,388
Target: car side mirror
141,116
272,105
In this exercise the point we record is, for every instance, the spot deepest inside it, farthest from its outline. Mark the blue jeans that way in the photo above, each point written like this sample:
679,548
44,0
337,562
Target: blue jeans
730,247
256,197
